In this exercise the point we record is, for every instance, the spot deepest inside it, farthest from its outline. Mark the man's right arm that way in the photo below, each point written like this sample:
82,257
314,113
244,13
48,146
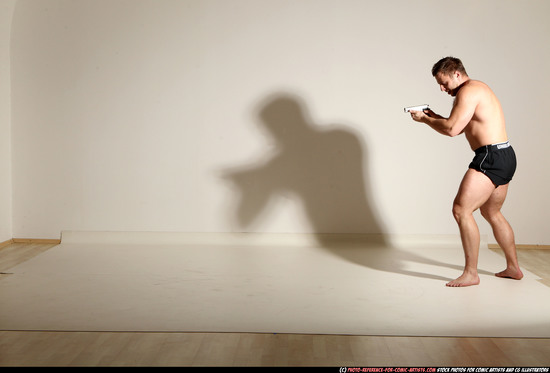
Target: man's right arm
431,114
461,114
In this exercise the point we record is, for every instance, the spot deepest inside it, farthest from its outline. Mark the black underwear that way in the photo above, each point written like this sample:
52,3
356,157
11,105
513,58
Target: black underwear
497,162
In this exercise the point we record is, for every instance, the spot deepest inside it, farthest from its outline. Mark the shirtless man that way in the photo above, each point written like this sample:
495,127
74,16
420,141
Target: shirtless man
477,113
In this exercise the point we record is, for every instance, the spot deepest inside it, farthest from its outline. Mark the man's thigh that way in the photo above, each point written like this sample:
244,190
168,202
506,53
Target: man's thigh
496,200
475,189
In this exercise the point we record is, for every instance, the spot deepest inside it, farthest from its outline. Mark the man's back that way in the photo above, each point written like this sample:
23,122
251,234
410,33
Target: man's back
487,125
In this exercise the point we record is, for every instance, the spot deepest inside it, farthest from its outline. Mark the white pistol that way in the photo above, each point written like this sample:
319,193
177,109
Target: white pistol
417,108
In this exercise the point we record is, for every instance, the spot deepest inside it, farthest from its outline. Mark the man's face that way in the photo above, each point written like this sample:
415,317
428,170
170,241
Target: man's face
448,83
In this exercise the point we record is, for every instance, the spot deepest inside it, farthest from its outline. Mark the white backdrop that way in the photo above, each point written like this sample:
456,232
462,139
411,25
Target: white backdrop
6,12
264,115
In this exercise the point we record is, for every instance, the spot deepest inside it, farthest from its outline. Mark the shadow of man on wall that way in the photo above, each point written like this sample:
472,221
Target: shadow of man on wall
324,167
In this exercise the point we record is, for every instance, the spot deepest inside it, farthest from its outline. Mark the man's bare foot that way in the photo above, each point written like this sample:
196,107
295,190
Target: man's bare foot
513,273
465,280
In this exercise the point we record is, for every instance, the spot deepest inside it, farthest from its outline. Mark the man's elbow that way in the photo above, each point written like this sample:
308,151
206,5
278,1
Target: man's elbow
452,133
454,130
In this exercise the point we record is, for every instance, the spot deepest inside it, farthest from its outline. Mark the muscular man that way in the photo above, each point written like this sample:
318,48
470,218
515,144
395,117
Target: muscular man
477,113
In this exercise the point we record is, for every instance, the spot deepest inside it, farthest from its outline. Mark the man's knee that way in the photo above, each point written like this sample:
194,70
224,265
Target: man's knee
459,212
490,214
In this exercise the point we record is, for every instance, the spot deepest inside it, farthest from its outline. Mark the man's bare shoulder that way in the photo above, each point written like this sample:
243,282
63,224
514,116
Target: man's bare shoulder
473,89
472,85
476,85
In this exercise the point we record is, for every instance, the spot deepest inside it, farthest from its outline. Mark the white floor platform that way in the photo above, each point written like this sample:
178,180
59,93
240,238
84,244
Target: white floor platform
309,284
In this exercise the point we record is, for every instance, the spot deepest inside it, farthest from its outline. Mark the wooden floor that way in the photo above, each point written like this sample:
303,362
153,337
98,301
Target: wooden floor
35,348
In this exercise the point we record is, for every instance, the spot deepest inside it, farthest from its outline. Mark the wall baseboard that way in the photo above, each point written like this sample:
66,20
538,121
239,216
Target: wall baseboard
36,240
30,240
5,243
56,242
523,247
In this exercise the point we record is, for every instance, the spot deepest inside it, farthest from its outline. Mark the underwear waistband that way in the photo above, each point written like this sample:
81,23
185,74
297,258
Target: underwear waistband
493,147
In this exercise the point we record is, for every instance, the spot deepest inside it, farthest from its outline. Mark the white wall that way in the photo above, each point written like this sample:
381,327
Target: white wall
148,115
6,13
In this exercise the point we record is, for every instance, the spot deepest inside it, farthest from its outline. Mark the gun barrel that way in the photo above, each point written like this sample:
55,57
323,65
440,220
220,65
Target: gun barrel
416,108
